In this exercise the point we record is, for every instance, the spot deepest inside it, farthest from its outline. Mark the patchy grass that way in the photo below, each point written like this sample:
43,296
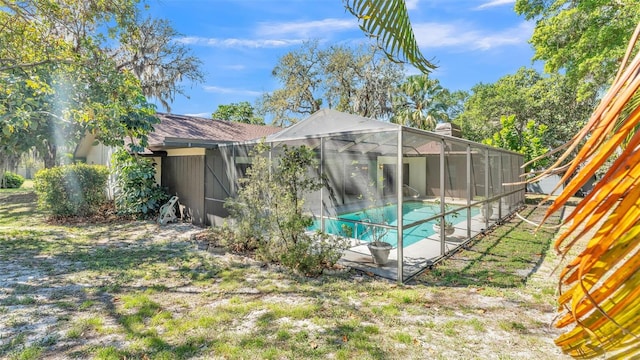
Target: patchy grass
504,258
137,290
18,207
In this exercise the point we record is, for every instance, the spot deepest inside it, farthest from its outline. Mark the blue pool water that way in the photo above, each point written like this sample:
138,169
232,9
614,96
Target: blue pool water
411,212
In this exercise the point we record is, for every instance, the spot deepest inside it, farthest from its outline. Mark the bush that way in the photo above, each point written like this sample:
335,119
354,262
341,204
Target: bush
312,252
71,190
136,190
11,181
269,212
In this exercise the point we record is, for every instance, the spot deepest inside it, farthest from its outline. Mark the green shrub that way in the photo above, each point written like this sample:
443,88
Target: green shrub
230,237
71,190
136,190
311,253
11,181
269,212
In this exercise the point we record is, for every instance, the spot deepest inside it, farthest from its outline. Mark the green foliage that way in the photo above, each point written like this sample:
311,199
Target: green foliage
251,208
585,39
527,141
550,101
420,102
71,190
239,112
309,254
90,75
11,181
388,22
270,215
136,190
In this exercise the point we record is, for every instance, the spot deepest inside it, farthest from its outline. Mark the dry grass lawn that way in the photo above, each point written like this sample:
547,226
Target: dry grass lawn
137,290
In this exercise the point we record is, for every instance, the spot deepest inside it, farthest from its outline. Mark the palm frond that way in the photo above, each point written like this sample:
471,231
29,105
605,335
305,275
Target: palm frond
599,296
388,22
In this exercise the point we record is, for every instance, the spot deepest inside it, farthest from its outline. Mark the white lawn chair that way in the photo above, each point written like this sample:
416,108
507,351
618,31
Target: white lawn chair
168,211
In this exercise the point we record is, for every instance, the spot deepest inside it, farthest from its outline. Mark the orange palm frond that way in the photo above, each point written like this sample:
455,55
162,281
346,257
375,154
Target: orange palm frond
599,296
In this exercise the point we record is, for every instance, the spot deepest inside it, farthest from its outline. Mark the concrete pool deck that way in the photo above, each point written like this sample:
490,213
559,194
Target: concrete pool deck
418,255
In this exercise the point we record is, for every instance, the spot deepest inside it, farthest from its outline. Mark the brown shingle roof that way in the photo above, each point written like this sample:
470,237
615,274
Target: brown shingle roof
197,128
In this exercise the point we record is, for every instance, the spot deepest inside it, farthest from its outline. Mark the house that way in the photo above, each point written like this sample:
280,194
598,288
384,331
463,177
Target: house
178,146
415,179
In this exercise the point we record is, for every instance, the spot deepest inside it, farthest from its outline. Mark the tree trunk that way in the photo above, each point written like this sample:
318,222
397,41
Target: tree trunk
50,155
2,170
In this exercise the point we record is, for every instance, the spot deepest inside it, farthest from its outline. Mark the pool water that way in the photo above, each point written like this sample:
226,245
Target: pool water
411,212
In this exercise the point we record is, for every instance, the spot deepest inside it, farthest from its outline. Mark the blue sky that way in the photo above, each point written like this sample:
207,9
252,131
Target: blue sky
240,41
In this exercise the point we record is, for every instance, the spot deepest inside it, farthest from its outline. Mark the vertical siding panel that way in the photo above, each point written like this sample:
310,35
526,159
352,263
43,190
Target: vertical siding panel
184,177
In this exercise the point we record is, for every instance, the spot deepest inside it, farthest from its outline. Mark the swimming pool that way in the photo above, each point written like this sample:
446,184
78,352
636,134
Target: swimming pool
412,211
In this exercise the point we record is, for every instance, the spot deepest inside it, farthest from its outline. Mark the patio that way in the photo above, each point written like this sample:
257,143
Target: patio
386,178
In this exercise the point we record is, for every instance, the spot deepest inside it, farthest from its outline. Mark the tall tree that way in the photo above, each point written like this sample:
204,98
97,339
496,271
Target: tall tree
239,112
550,101
600,296
420,102
600,286
375,84
584,39
454,103
488,103
160,63
61,77
357,81
300,72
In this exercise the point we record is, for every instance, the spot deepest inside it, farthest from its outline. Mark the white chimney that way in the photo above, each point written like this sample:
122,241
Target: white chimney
448,129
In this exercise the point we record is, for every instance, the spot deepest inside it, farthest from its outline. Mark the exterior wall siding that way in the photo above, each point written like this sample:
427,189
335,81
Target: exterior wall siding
184,177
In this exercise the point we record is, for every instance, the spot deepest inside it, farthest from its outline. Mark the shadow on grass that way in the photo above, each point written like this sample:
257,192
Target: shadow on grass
19,197
80,277
17,208
117,266
258,327
504,258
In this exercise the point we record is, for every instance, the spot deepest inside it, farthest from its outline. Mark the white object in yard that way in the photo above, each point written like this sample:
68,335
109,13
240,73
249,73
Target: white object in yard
168,211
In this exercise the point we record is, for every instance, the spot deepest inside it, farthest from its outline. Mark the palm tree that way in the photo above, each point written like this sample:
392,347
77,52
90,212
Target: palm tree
388,22
419,103
600,287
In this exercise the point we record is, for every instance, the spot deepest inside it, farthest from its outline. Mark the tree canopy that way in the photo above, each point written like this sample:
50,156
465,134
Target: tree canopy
68,67
239,112
160,63
585,39
420,102
353,80
527,141
551,101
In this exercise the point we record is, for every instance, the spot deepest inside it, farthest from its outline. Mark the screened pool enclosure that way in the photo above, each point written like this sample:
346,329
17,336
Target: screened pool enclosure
425,194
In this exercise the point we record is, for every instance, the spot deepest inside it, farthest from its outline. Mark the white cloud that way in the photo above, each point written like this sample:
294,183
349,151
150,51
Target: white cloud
494,3
306,29
247,43
223,90
276,35
204,115
411,4
466,37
